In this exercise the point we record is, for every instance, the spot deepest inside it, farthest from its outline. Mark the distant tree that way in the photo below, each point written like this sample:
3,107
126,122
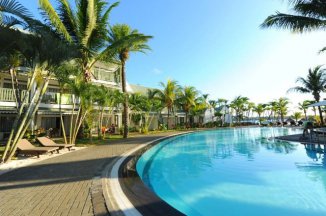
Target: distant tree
239,105
297,116
187,99
282,107
168,95
304,107
259,109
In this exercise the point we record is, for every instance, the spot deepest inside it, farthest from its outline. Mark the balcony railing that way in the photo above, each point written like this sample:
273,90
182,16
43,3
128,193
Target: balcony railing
54,98
7,94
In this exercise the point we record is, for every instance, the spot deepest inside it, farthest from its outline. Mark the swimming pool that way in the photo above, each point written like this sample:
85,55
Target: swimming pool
236,172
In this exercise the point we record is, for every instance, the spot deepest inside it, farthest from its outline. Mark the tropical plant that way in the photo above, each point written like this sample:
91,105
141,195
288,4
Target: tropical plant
297,116
167,95
126,40
86,25
314,83
238,104
42,65
259,109
187,99
282,107
309,15
304,107
104,97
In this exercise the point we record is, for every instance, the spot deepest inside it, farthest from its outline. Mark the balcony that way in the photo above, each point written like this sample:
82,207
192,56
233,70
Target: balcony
7,95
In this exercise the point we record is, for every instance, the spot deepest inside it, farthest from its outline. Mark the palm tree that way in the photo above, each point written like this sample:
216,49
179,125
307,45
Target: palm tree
168,95
128,40
297,116
238,104
308,15
282,107
259,109
104,99
187,99
304,107
84,25
314,84
42,65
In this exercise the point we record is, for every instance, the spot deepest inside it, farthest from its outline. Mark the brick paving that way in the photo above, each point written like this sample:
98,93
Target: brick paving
62,185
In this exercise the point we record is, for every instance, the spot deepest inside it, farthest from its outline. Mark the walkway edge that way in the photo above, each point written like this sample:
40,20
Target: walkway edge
116,201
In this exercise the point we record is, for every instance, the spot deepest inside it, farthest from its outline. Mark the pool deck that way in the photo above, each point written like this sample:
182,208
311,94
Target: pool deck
69,184
314,139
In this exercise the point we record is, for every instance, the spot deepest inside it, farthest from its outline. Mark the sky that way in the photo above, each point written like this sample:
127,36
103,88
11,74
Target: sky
218,47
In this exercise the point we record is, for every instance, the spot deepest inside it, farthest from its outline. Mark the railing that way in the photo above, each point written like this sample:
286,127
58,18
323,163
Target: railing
54,98
7,94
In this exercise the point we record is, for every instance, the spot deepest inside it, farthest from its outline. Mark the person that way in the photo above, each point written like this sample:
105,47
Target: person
307,128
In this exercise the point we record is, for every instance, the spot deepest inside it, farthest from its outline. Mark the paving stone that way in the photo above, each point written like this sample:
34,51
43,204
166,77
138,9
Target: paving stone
62,185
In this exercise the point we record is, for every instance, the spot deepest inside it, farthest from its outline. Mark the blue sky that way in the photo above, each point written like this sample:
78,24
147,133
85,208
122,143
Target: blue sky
218,47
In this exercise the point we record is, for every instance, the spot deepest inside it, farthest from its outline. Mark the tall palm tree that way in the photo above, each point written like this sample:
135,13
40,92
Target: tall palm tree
314,84
127,40
168,95
304,107
308,15
86,25
187,99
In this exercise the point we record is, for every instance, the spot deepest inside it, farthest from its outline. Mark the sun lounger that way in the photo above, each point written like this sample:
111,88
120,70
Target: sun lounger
26,148
50,143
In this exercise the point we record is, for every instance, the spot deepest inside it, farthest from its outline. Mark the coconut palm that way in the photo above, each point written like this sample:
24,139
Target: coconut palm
309,15
297,116
259,109
282,107
168,95
187,99
86,25
314,83
128,40
238,104
304,107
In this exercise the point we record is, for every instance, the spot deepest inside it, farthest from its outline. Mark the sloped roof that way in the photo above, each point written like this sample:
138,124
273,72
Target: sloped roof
138,89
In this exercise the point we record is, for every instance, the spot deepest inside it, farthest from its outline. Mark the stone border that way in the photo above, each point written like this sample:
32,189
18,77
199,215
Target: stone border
121,197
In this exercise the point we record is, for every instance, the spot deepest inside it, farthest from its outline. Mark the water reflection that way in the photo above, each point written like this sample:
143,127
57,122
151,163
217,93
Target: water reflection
221,168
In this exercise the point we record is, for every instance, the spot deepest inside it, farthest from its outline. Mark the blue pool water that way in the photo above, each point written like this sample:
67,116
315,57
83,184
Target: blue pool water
237,172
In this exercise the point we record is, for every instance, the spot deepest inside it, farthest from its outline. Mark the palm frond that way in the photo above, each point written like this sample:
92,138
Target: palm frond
299,89
92,19
67,17
52,15
315,9
295,23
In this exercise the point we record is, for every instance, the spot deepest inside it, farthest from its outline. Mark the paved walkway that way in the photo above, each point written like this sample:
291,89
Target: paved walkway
62,185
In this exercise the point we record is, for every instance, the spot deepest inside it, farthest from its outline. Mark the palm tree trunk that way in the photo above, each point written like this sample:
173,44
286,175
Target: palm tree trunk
305,114
125,117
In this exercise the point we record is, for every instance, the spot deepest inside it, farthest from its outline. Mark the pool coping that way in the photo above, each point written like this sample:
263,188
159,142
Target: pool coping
123,190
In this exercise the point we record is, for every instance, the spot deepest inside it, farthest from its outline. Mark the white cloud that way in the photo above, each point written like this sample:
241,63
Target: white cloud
157,71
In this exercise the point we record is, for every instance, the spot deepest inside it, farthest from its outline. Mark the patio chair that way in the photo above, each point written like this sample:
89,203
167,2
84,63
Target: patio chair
47,142
26,148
